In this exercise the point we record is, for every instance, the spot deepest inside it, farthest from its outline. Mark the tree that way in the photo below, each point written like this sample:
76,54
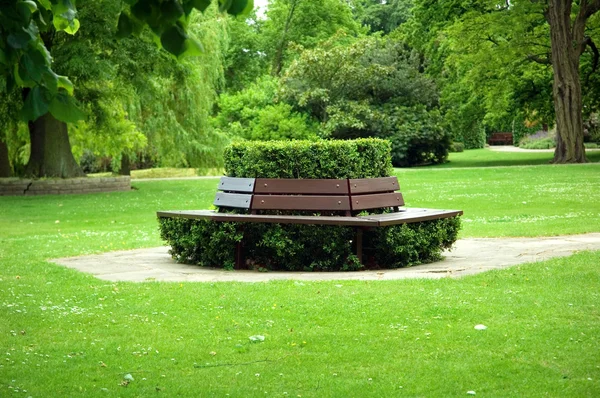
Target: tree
568,42
28,28
382,15
371,88
476,34
304,22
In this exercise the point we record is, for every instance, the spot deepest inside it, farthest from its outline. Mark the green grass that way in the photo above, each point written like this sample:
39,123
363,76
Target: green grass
488,158
167,172
64,333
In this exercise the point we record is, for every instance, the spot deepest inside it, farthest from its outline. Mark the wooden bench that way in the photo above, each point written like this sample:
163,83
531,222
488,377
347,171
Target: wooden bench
341,202
501,139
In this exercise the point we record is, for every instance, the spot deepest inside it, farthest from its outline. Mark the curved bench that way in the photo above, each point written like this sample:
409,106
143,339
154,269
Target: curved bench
341,202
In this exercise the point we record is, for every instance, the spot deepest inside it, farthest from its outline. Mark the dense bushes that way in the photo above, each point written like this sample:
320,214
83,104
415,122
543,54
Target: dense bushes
306,247
362,158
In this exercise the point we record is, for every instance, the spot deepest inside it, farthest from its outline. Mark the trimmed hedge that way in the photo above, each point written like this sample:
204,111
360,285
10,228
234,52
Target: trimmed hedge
306,247
362,158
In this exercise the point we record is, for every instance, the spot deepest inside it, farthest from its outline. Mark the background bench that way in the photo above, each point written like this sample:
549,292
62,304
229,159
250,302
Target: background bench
311,201
500,139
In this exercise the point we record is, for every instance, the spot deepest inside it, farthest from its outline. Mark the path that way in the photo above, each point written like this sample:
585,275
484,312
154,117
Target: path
470,256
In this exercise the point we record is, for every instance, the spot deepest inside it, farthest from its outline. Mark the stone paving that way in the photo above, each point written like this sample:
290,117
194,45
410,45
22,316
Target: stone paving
469,256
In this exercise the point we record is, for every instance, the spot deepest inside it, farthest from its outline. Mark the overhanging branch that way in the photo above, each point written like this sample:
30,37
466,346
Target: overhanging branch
544,60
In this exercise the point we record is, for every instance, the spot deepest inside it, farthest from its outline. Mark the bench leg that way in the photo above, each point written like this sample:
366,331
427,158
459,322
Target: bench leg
239,255
359,244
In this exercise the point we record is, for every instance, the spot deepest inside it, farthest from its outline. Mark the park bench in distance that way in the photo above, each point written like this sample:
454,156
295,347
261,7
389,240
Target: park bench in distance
312,201
500,139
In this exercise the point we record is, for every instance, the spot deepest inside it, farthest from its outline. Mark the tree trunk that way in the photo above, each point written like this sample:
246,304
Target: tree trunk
278,60
125,169
51,154
5,170
566,86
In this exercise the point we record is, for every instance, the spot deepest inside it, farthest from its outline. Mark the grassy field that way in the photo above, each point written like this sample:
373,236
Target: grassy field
488,158
66,334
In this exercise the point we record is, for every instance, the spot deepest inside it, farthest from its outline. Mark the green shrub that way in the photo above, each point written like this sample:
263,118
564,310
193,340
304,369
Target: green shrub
255,114
457,147
362,158
537,141
295,247
411,244
591,145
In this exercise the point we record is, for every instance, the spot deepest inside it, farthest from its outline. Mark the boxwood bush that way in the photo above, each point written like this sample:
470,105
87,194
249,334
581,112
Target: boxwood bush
362,158
307,247
295,247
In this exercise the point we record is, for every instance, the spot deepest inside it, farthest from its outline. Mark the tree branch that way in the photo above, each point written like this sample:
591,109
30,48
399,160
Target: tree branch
592,8
588,42
540,60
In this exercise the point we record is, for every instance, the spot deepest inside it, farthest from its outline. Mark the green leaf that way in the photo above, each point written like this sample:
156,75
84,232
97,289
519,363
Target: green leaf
35,104
63,108
46,4
64,82
65,16
200,5
18,40
124,26
170,11
31,5
3,59
24,12
34,65
174,40
240,7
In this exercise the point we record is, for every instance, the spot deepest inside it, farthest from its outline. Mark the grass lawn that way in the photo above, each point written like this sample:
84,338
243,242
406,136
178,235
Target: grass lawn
488,158
64,333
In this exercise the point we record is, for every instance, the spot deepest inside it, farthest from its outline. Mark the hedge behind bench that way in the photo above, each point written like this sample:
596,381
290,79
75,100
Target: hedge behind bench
362,158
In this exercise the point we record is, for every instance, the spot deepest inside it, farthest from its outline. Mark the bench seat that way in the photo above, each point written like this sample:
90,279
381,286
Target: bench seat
404,216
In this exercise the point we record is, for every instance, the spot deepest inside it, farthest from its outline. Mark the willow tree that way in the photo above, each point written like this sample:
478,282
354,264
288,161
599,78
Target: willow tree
29,27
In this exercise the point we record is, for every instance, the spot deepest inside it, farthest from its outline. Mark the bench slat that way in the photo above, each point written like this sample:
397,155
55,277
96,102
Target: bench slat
272,219
237,200
301,186
315,202
236,184
411,215
373,185
363,202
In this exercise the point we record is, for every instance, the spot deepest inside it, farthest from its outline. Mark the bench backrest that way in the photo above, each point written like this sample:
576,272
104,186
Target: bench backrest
345,195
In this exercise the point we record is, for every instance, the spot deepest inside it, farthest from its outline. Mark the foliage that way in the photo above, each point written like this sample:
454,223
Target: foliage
201,242
303,22
254,114
26,27
246,57
296,247
457,147
382,16
362,158
371,88
412,244
540,140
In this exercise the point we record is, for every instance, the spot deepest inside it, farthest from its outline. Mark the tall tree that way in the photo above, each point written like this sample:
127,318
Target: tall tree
481,30
304,22
27,28
568,42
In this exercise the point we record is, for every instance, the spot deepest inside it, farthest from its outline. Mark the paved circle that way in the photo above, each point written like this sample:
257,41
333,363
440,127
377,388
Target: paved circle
469,256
